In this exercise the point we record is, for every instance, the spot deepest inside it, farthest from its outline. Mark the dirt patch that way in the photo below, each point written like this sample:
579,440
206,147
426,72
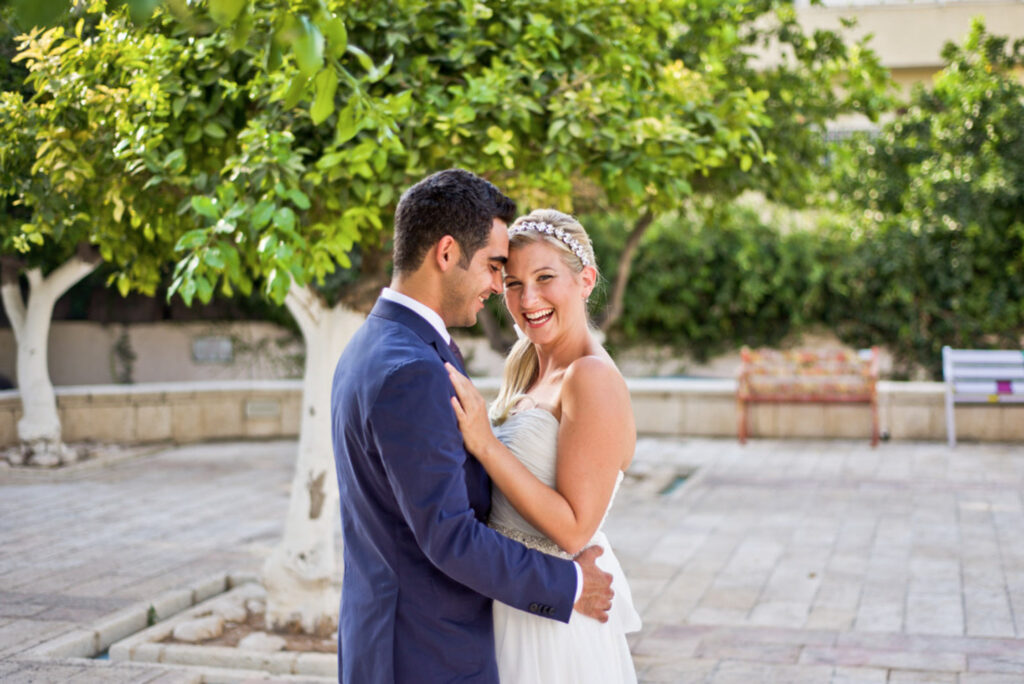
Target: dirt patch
236,631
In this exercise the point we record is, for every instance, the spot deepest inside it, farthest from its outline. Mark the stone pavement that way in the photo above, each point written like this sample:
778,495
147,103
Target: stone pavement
781,561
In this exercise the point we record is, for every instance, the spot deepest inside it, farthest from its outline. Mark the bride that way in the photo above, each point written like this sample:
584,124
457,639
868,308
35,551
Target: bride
563,436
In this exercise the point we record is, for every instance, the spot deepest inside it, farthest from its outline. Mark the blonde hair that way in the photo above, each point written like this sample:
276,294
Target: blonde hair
521,365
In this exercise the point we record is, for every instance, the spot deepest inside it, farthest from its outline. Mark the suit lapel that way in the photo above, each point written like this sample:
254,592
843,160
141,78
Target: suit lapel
425,331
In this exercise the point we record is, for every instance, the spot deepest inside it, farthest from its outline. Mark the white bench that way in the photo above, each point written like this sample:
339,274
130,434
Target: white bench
977,376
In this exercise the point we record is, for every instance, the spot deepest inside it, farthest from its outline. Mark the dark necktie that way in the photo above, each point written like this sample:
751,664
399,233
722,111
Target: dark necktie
458,354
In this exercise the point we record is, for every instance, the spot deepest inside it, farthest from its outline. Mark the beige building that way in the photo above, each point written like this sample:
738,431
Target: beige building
909,34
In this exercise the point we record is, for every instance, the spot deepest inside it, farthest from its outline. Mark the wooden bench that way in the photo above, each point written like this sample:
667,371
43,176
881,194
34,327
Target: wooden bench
807,376
980,376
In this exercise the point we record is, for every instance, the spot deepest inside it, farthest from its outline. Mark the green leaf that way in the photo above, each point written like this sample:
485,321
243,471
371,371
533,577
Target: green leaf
261,214
242,31
337,36
223,226
746,162
225,11
214,130
295,91
330,160
204,206
377,73
347,127
123,284
204,289
191,240
364,59
188,291
309,48
175,160
284,218
299,198
213,258
325,85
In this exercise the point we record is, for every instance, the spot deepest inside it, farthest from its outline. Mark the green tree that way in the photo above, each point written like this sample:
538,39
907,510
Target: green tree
65,188
804,80
120,146
939,198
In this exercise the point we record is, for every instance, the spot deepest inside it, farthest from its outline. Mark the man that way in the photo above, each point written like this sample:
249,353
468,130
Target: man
421,566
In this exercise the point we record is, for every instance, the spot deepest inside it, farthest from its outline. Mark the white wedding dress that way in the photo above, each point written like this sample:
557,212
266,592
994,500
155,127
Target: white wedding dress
537,650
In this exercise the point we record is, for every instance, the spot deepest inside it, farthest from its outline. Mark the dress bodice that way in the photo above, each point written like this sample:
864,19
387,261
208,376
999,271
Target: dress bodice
532,435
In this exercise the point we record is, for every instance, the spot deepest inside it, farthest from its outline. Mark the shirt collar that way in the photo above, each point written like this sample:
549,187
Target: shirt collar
425,312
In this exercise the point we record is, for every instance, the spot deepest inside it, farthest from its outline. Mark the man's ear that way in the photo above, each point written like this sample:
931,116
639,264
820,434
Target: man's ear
447,253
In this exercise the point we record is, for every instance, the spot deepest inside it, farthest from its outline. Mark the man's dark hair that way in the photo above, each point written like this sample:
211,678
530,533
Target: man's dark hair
453,202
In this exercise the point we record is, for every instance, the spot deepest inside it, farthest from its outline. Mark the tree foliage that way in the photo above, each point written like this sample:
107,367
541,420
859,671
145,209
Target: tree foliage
923,244
719,276
272,138
939,196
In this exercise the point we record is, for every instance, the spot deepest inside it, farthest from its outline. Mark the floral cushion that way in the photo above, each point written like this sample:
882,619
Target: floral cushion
806,375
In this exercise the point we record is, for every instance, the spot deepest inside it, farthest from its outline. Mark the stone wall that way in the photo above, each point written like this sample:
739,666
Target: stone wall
191,412
175,412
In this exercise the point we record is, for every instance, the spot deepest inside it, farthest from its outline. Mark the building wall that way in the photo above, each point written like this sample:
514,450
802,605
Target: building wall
909,36
89,353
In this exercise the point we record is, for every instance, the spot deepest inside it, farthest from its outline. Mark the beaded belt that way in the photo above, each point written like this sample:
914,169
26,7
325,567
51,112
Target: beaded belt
532,541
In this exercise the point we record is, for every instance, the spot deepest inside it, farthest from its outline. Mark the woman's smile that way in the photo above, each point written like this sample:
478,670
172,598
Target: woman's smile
535,319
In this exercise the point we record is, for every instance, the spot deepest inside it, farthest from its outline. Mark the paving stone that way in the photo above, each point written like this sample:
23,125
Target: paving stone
939,662
859,675
1006,663
921,677
988,678
758,653
935,613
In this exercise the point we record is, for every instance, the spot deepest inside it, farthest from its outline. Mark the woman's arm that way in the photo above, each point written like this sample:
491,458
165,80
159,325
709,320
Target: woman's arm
596,439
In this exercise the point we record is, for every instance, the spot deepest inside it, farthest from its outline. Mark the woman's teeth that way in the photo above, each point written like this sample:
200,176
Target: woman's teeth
538,317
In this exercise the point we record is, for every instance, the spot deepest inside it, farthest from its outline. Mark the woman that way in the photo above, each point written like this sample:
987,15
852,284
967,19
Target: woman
564,436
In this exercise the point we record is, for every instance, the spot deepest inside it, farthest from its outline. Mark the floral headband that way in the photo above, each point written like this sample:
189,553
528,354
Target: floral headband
548,229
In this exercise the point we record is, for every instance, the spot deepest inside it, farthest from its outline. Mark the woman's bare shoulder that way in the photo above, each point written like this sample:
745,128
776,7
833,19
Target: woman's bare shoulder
594,376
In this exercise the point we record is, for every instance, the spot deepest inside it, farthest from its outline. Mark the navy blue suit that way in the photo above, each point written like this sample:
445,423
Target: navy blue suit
421,566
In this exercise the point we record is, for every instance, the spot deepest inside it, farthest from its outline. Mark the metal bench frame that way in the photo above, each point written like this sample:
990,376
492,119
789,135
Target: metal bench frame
980,376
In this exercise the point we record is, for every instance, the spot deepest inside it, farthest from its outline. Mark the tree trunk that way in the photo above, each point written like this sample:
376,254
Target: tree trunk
301,572
613,311
39,427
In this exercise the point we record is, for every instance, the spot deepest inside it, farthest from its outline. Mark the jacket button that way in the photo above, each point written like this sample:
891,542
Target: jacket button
534,608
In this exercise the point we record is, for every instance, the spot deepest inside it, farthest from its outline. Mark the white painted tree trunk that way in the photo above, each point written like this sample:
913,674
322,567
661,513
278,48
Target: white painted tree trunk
39,427
301,573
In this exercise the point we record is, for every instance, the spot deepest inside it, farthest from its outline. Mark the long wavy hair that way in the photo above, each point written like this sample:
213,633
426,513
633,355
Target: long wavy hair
521,365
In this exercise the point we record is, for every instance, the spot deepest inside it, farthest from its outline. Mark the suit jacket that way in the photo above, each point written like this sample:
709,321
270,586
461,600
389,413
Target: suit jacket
420,564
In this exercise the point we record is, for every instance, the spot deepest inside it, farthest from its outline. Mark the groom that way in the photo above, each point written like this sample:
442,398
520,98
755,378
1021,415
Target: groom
421,565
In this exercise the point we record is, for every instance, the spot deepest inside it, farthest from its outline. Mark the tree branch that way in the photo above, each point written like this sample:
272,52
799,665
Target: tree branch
613,311
64,276
10,292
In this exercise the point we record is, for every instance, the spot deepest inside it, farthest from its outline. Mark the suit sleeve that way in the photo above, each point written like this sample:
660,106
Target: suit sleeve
421,447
